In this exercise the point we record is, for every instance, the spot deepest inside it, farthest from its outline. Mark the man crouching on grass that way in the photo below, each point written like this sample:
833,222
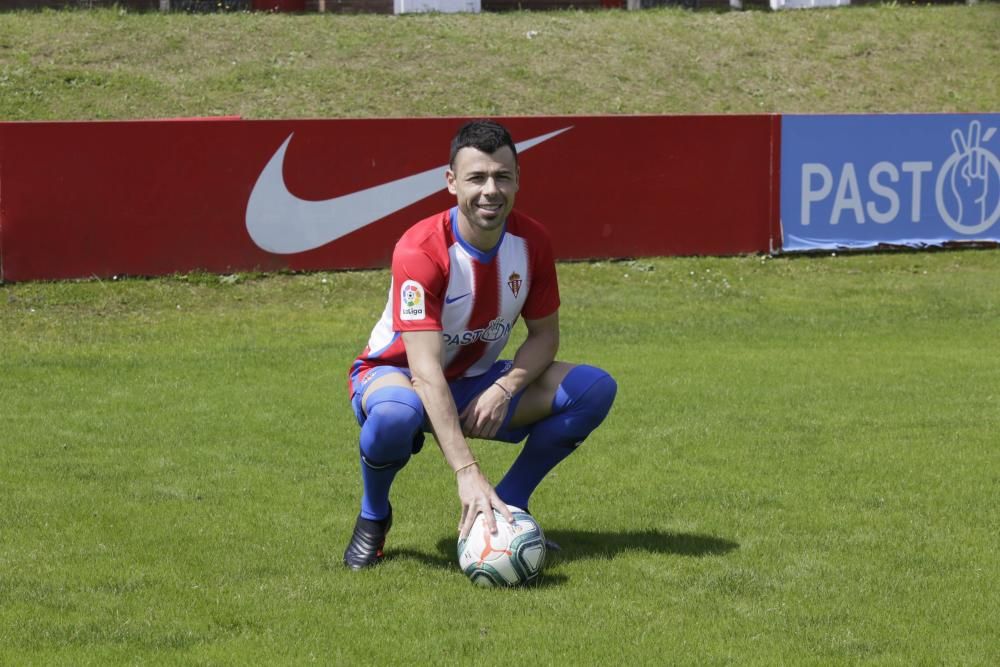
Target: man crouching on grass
460,280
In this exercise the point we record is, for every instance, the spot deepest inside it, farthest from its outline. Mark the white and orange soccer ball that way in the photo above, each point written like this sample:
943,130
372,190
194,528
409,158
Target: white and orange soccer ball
514,556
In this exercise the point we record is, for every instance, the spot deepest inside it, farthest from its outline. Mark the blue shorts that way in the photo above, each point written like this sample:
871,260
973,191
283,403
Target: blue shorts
463,390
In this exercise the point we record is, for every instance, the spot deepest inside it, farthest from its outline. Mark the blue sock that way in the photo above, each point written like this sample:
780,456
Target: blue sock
388,438
581,403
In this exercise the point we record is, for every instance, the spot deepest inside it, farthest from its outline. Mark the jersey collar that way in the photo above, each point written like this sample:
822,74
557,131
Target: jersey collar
483,256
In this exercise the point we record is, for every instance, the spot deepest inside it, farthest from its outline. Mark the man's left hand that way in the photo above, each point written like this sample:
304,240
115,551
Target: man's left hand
485,414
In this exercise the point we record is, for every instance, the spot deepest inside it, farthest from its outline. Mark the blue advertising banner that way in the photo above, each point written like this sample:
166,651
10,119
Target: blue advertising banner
862,181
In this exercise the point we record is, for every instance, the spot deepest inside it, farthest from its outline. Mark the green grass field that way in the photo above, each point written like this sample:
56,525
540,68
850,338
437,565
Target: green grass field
801,468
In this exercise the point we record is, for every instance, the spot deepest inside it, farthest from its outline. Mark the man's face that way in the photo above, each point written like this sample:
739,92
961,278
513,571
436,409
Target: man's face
485,185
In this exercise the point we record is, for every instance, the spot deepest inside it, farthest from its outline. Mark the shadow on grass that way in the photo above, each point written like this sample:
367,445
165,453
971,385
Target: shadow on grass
583,544
445,559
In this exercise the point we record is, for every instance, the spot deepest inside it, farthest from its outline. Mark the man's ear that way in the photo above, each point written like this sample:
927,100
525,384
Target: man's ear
449,176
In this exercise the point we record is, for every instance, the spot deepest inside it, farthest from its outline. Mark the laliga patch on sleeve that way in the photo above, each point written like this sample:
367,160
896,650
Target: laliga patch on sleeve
411,301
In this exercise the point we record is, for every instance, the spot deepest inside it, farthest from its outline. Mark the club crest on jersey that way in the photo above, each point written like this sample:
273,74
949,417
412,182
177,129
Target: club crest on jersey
411,301
514,283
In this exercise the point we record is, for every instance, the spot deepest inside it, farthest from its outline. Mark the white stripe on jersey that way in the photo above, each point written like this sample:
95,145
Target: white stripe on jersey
511,265
460,297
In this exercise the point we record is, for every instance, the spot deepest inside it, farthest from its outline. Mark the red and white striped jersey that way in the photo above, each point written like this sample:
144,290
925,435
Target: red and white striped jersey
441,283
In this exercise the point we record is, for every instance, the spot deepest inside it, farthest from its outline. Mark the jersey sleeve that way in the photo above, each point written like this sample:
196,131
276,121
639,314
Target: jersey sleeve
543,297
418,286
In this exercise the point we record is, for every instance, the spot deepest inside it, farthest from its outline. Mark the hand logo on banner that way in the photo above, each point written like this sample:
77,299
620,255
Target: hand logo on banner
973,176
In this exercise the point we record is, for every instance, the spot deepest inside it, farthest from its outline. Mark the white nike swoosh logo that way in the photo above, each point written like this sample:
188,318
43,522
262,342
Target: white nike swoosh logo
281,223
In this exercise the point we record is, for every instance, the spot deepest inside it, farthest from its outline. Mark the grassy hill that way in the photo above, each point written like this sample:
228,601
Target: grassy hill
111,64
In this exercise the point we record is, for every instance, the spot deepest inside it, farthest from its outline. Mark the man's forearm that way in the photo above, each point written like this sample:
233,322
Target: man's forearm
536,353
440,408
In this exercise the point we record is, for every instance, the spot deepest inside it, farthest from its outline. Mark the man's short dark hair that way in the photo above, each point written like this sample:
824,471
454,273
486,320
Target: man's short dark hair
487,136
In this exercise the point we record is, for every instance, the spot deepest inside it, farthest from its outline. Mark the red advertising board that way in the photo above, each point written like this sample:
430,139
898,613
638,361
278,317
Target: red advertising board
151,197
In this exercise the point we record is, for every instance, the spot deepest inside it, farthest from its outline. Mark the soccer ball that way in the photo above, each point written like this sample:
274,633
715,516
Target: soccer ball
512,557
